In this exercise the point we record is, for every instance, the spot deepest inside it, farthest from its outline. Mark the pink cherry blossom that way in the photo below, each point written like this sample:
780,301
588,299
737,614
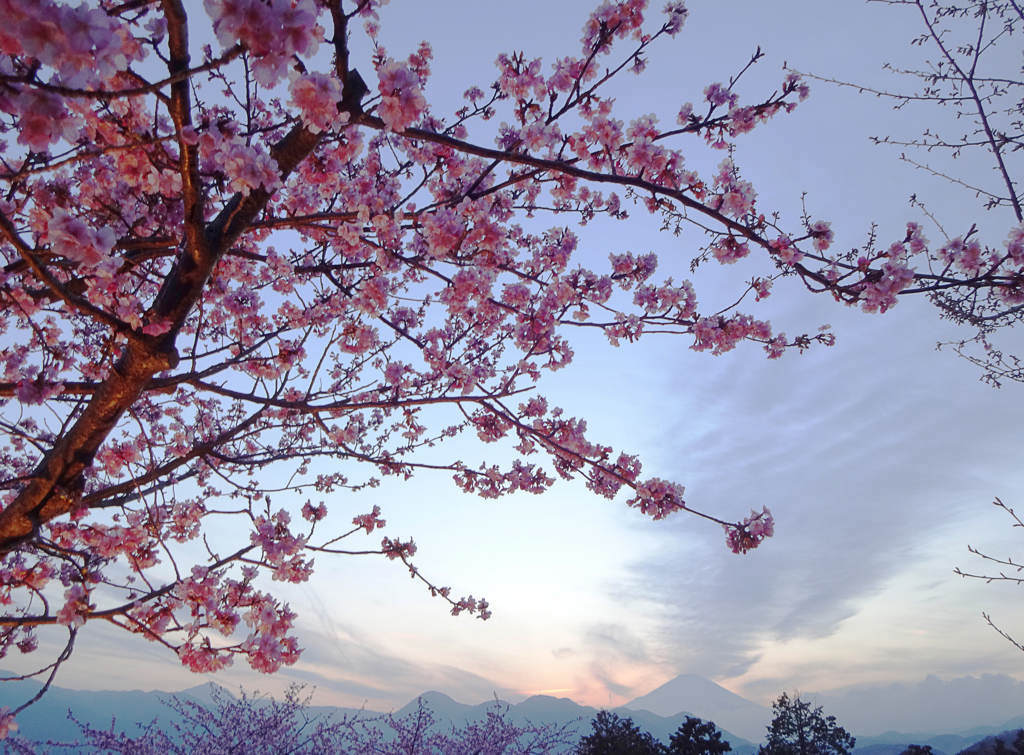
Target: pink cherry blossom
613,20
751,531
203,659
7,723
397,549
317,96
729,249
273,31
965,256
314,514
785,250
36,391
402,102
822,235
879,294
794,82
658,498
76,607
718,95
72,238
370,521
677,13
44,120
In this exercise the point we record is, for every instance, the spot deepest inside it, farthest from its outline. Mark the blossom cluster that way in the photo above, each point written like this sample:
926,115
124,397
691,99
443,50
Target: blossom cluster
720,334
370,521
749,533
282,550
317,95
246,166
82,47
735,197
402,100
616,20
76,607
658,498
472,605
272,31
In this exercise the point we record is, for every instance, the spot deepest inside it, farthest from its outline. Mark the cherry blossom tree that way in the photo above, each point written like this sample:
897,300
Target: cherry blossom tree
258,273
254,725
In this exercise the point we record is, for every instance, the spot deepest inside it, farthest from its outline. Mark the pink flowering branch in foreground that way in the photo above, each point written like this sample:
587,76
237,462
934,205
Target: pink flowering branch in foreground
253,725
252,307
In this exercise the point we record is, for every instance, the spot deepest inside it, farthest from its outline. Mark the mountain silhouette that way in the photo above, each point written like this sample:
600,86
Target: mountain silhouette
709,701
687,695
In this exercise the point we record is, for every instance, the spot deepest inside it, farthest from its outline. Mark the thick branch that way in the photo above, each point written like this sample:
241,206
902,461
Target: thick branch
56,486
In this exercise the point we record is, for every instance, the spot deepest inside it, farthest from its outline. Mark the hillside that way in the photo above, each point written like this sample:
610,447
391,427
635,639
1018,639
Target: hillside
49,718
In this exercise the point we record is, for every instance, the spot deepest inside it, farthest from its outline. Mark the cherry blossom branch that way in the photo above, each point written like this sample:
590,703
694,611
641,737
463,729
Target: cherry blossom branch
114,94
54,488
569,169
81,156
59,290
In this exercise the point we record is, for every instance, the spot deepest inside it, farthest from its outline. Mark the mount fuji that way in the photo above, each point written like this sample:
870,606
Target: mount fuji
704,699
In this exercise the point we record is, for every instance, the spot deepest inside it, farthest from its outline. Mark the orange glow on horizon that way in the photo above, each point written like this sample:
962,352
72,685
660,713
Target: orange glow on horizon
545,691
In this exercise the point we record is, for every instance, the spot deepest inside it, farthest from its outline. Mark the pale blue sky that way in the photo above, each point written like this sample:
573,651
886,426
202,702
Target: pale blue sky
878,457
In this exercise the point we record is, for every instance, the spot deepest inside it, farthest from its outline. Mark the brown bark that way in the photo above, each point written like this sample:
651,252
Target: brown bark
55,487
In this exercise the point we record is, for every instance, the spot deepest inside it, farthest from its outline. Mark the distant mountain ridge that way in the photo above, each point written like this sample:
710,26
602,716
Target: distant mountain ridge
47,719
733,714
894,742
561,711
745,718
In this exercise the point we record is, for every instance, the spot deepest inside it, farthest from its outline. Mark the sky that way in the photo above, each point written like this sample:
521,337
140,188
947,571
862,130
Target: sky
879,457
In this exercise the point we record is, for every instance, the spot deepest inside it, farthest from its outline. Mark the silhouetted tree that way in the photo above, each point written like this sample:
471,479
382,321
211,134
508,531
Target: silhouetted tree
696,737
917,750
618,736
1017,748
799,729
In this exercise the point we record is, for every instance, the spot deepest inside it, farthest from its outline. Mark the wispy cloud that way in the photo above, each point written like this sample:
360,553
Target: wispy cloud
865,454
